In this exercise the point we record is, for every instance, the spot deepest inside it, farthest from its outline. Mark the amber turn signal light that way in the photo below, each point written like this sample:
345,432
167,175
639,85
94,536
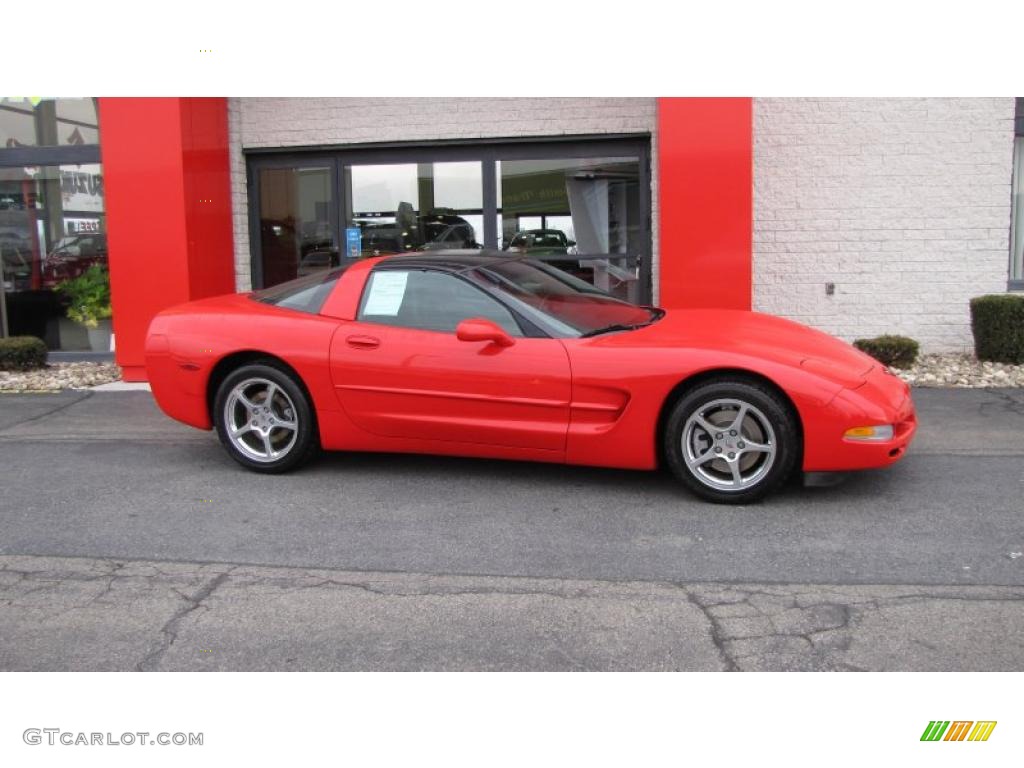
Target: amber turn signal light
878,433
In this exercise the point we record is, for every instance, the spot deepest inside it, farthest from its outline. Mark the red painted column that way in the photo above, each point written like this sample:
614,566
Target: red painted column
705,183
168,205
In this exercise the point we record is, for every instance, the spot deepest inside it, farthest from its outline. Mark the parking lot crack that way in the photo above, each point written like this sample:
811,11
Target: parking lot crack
84,396
169,631
714,630
111,577
1009,401
428,590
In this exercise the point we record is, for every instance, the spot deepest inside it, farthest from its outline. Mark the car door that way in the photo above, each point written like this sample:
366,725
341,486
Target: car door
401,371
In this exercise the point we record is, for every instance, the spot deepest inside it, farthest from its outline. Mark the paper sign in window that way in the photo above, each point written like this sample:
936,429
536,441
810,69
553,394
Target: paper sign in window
386,293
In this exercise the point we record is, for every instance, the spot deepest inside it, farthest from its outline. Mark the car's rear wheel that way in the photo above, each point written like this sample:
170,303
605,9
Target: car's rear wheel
264,419
732,442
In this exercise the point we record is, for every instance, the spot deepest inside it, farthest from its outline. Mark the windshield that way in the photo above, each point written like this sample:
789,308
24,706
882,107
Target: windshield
578,308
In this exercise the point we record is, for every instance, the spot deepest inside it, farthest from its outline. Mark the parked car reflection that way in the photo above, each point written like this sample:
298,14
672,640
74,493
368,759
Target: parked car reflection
72,255
546,243
426,232
17,265
318,261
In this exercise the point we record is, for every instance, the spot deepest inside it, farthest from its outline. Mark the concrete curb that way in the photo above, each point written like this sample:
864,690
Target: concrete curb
122,386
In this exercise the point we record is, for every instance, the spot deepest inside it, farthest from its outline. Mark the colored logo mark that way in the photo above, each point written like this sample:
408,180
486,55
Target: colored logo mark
958,730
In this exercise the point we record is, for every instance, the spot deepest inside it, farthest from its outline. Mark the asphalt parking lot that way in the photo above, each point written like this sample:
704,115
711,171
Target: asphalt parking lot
128,541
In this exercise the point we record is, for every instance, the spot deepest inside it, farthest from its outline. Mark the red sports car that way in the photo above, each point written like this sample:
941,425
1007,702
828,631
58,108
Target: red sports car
502,357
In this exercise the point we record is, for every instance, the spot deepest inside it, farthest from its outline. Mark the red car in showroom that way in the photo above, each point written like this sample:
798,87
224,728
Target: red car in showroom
481,354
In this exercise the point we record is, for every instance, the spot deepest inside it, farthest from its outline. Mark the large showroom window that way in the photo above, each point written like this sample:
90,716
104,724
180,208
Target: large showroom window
581,205
53,243
410,207
581,215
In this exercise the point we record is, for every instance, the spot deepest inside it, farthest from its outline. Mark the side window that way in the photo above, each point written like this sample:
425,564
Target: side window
429,301
305,294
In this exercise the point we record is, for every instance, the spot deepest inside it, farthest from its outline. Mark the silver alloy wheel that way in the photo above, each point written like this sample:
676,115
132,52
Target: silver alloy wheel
728,444
261,420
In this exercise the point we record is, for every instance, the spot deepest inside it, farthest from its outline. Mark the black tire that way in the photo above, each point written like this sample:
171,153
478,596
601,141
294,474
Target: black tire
289,404
719,460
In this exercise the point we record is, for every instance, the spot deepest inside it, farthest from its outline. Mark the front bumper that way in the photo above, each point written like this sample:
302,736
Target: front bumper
883,398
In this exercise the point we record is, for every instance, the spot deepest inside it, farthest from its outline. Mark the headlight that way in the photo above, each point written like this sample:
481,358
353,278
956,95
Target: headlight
880,433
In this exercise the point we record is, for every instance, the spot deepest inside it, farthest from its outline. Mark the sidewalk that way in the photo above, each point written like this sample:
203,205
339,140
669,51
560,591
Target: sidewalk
87,614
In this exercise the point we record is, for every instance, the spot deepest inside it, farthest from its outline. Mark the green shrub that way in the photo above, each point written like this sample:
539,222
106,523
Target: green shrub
22,353
997,322
89,296
897,351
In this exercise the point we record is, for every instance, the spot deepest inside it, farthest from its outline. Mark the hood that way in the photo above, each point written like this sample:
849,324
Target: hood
762,336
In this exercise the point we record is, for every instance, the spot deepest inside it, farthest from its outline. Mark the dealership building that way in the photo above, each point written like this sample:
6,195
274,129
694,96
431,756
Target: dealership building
858,216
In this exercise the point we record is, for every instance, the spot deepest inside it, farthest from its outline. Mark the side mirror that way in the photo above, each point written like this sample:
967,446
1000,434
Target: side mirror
478,329
570,243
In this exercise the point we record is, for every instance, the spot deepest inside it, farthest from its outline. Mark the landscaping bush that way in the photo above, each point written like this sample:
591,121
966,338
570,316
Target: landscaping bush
895,351
22,353
997,322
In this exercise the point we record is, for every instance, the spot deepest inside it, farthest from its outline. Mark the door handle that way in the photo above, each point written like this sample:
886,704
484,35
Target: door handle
363,342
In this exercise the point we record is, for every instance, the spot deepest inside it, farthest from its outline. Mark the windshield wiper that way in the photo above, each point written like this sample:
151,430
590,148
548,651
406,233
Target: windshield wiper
656,314
611,328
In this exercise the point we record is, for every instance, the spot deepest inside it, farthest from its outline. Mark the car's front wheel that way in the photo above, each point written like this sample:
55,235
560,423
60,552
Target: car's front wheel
732,442
264,419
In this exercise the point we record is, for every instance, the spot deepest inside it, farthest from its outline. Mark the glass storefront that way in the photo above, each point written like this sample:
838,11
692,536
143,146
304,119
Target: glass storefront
52,222
582,215
30,122
415,206
583,207
296,234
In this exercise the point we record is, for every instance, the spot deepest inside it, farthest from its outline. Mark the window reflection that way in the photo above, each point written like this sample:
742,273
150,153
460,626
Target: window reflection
52,231
581,215
415,206
586,216
295,223
33,122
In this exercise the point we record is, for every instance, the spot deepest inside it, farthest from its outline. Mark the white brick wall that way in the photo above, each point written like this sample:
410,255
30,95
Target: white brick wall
280,122
903,203
239,197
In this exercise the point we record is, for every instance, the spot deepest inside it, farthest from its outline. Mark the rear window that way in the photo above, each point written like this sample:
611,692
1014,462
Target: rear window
306,294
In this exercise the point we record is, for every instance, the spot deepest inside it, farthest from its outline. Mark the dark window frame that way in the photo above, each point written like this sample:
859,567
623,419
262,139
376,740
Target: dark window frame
79,154
485,151
1012,283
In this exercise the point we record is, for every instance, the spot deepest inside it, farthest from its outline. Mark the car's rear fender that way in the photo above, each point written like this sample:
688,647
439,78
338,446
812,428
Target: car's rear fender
188,354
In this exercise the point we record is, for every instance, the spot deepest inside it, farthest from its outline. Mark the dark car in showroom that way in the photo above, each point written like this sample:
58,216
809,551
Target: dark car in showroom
426,232
544,244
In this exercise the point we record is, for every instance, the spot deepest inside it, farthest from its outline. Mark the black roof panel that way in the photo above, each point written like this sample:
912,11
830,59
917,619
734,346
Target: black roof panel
454,260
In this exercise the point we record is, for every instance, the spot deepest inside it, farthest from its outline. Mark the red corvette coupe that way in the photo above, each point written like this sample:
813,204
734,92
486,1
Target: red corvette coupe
494,356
